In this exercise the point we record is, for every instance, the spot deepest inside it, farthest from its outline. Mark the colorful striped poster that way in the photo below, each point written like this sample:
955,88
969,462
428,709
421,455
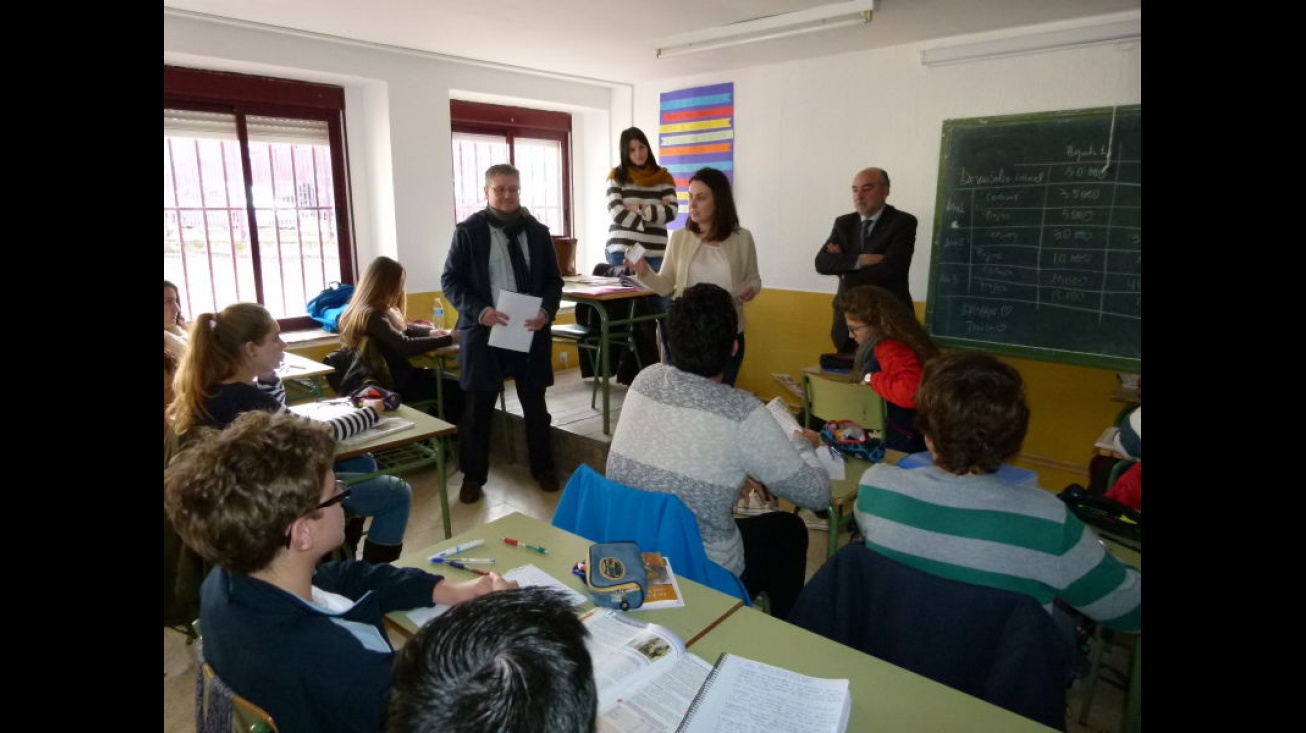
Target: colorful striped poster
696,128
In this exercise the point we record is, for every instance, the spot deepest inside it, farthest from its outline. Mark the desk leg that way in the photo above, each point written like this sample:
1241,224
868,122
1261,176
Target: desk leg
603,363
439,386
834,522
441,445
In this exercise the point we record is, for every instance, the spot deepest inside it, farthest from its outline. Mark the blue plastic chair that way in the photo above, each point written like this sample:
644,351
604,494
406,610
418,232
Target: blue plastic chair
602,510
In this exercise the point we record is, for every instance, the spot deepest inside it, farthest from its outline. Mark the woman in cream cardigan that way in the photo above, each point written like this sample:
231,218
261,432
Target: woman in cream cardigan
711,248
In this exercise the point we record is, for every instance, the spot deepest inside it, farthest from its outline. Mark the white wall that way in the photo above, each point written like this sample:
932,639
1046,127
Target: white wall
397,129
804,129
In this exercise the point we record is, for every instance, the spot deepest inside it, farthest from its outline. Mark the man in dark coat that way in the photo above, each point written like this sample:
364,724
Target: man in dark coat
502,248
871,246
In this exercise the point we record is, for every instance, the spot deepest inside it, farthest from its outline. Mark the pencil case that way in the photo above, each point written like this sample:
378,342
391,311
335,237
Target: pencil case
615,575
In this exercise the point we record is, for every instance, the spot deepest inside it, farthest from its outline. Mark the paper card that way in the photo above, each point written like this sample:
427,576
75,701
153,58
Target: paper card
520,309
635,252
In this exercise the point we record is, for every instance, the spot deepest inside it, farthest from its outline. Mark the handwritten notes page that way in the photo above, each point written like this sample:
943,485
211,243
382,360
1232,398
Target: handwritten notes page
744,696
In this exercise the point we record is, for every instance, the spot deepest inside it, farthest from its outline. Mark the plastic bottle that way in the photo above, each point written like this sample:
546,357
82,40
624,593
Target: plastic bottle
437,314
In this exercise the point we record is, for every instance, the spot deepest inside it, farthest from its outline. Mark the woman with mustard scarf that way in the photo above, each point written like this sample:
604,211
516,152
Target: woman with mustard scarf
641,201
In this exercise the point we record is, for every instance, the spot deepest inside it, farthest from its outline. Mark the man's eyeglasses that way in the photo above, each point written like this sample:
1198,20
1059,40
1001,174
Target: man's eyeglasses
501,190
854,330
343,493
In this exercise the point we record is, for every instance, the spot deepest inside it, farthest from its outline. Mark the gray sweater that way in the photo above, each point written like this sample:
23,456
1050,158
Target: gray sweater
699,439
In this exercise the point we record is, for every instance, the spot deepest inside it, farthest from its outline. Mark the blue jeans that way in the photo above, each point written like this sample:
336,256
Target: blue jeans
386,499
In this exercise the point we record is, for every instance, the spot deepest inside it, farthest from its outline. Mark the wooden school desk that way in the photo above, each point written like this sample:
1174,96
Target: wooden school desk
302,377
885,698
576,292
703,608
404,451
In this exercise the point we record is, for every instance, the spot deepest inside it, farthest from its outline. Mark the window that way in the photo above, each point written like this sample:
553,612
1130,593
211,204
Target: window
536,142
254,205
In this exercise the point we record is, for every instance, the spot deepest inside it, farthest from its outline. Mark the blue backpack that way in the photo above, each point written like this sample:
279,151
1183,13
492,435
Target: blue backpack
327,306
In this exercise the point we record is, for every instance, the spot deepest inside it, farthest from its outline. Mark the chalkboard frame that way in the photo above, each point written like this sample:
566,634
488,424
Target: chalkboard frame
945,185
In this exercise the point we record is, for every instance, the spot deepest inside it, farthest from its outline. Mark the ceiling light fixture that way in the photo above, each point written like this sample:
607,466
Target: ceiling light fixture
1127,30
824,17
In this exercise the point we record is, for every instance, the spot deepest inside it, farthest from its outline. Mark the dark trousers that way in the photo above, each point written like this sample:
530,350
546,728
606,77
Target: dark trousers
478,414
775,558
732,366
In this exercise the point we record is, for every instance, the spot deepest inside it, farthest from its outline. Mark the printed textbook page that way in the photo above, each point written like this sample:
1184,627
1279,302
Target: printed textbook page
644,676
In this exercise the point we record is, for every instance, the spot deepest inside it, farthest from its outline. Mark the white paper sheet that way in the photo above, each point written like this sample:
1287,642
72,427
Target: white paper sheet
526,577
635,252
520,309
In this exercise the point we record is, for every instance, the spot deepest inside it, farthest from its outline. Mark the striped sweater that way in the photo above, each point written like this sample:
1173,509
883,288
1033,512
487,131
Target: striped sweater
986,531
656,195
699,439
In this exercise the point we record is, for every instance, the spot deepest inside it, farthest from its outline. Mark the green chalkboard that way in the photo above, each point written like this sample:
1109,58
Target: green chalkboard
1038,237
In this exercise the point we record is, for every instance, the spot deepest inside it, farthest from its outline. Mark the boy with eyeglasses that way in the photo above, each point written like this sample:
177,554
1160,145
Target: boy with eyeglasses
300,639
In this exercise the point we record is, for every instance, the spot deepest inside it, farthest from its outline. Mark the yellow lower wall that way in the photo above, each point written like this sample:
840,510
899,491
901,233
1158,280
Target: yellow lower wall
788,330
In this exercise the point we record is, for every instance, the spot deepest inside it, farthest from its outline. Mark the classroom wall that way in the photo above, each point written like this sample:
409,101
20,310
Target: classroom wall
803,129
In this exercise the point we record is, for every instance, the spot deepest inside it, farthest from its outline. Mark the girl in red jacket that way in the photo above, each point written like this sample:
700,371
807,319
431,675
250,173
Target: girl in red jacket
892,347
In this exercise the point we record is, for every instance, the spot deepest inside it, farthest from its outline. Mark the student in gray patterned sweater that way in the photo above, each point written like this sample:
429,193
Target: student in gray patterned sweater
682,431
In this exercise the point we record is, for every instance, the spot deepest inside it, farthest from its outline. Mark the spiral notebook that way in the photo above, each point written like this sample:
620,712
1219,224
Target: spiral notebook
744,695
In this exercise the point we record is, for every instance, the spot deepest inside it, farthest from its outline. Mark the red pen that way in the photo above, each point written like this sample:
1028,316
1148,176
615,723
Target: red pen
519,543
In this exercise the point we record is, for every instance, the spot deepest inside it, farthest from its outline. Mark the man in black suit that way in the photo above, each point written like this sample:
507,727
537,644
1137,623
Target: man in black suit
502,248
872,246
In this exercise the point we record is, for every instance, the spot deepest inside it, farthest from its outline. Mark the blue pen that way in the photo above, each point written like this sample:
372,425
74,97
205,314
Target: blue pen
482,560
457,549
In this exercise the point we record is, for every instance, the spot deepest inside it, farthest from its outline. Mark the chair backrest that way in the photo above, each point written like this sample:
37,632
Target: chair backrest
602,510
830,399
218,709
997,645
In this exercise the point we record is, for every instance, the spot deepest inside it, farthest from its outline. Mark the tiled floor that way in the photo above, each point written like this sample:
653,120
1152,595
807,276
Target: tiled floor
510,488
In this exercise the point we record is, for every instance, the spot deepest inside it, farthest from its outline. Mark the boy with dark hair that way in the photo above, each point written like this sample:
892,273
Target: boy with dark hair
957,520
511,662
684,432
302,640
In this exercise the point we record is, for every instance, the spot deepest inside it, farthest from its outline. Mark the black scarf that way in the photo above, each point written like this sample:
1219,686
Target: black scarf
511,223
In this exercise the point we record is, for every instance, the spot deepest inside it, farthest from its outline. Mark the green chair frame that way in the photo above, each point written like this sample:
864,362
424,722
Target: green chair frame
586,339
840,399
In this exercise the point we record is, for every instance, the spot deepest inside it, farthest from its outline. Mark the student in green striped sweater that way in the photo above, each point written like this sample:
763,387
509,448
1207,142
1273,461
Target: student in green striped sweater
957,520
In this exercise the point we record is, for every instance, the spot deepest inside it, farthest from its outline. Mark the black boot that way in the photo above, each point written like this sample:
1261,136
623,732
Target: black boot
353,534
377,554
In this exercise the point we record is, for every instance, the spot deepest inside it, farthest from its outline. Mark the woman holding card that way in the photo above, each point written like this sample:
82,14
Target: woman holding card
712,248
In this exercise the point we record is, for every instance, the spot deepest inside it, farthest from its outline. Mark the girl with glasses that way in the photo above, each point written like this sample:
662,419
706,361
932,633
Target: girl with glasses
892,348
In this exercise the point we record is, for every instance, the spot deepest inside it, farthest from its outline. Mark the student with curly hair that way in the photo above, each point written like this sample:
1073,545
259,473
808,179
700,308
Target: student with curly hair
892,348
958,520
301,638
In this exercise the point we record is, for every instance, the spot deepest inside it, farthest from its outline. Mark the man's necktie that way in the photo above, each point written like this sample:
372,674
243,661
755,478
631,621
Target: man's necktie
866,231
519,269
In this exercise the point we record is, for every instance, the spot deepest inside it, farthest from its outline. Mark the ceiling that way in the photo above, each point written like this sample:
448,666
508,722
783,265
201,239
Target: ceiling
615,40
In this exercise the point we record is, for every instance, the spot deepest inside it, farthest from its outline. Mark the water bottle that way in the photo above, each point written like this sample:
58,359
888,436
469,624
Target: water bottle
437,314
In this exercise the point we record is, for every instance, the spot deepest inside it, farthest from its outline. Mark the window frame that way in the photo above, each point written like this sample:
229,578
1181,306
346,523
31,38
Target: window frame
248,95
519,122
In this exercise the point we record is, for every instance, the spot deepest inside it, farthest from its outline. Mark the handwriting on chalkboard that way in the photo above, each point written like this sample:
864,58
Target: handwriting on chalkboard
1038,236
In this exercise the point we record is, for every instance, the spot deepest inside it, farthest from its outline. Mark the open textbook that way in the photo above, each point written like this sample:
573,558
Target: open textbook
645,677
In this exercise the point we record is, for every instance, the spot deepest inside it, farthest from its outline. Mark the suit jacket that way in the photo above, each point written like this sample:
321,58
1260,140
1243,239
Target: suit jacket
894,236
466,283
